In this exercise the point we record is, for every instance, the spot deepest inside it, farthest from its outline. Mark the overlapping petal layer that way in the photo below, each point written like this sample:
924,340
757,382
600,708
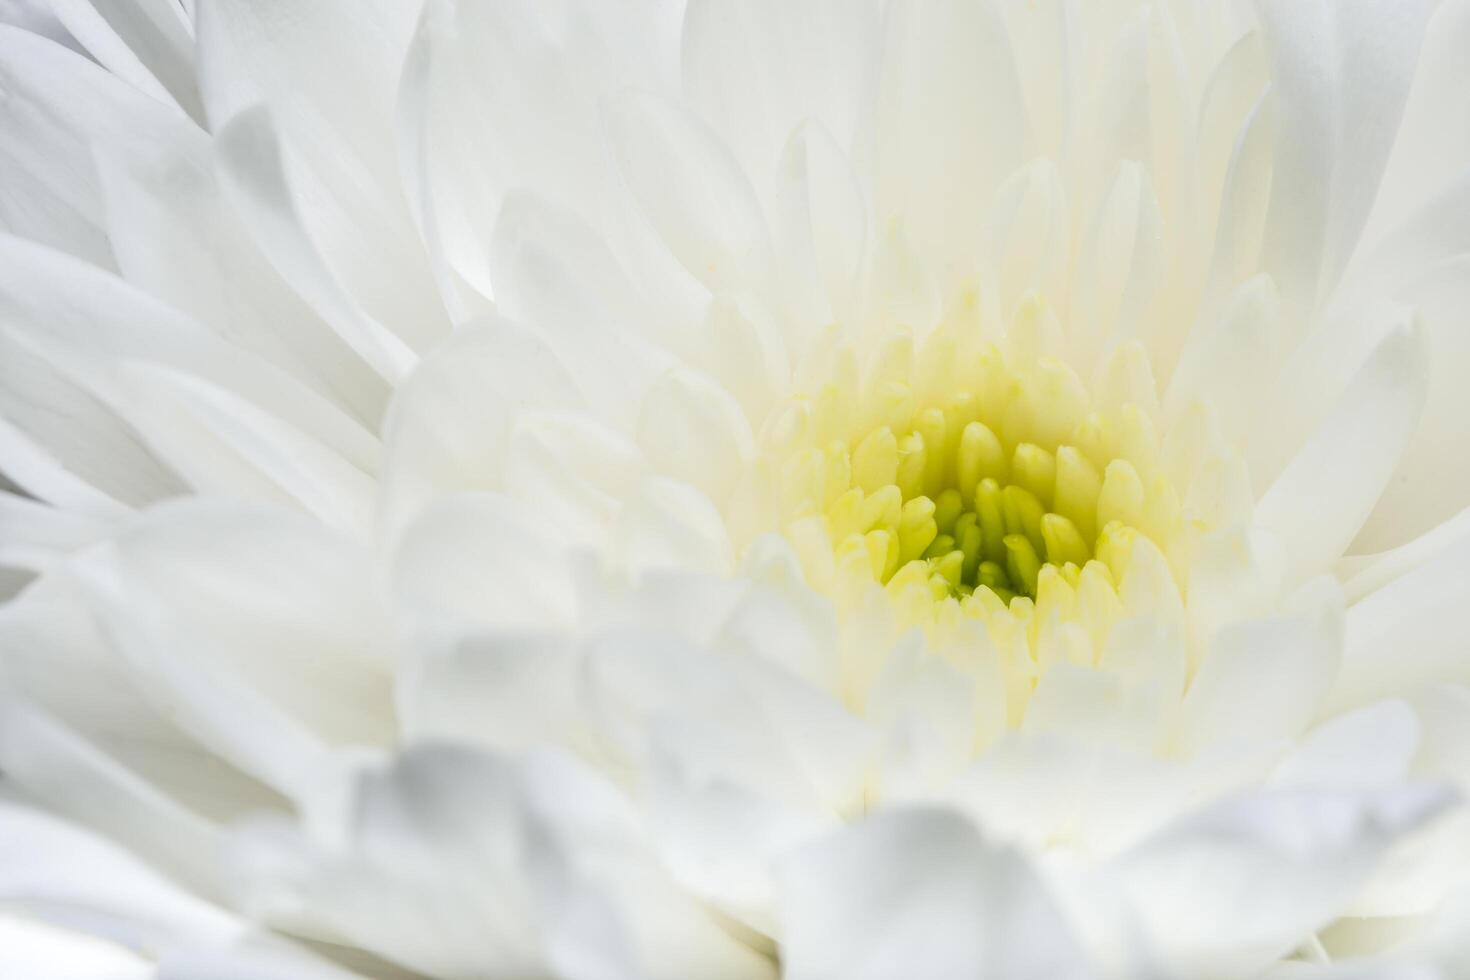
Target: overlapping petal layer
736,489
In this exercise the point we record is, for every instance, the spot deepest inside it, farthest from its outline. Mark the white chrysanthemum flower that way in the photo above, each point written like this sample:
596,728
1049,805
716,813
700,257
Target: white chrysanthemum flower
833,489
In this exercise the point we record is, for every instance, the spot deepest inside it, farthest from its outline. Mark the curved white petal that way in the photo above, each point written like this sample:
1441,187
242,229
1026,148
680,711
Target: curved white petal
691,428
84,323
1373,746
47,952
480,558
149,43
44,477
36,17
1428,155
1229,890
450,421
81,781
692,191
1342,72
59,109
101,752
1229,362
504,690
35,536
1265,679
58,868
728,719
819,219
551,269
223,444
494,869
672,525
950,124
251,162
1432,481
174,234
757,70
1352,456
1409,634
188,595
334,123
920,893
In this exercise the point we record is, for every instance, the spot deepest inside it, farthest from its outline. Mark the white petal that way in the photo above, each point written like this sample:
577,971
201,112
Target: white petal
45,952
692,191
66,444
1029,233
400,842
1343,72
791,627
175,236
1107,708
669,524
950,125
1409,634
932,717
1120,265
43,476
574,471
919,893
723,843
1229,362
498,870
149,43
506,691
450,421
512,104
333,118
1235,577
268,660
34,536
1372,746
98,751
1047,791
602,901
245,963
36,17
551,270
57,867
1229,96
1433,484
59,106
819,219
73,779
901,288
746,353
1266,679
685,604
224,445
692,429
1320,501
1243,205
250,160
418,126
720,718
1364,574
1227,891
86,323
481,559
1427,154
757,70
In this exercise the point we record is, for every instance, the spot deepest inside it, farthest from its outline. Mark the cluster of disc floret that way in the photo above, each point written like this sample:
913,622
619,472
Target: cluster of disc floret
988,484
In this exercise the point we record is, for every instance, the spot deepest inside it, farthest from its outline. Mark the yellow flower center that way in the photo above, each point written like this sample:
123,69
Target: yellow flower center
974,481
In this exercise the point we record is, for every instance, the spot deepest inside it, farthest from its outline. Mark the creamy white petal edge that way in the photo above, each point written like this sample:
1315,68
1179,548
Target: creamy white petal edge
388,393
